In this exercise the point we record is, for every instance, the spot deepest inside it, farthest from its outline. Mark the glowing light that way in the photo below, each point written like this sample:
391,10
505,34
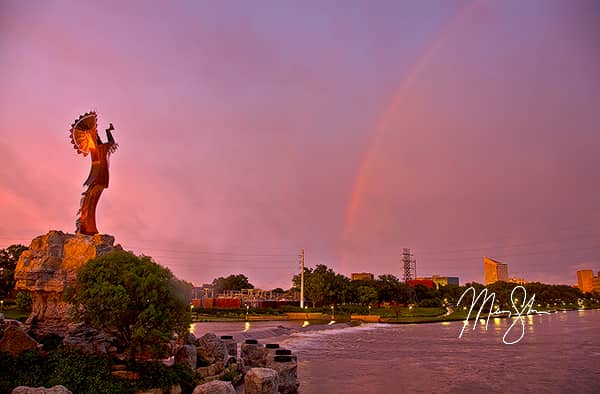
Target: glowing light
246,326
306,323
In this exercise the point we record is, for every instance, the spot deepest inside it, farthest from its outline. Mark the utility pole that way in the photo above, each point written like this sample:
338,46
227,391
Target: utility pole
302,279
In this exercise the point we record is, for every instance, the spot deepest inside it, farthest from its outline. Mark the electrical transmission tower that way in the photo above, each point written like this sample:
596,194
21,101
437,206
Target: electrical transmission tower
409,265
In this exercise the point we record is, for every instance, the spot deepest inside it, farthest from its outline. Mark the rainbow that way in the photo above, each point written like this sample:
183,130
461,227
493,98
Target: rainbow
378,133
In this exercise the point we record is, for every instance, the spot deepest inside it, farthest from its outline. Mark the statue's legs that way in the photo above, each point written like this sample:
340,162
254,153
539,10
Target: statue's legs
86,224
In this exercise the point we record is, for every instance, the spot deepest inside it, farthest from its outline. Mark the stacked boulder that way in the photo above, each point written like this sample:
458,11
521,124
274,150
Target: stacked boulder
257,358
210,358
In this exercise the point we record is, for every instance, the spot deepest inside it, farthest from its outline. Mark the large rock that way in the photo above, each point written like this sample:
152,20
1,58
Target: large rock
90,340
187,355
287,371
41,390
47,268
215,387
16,341
231,345
261,381
253,355
210,348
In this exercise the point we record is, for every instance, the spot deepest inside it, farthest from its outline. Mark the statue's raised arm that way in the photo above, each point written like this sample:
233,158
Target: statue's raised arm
85,139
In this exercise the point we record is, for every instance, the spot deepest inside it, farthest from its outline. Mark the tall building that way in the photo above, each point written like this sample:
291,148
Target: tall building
494,271
585,280
596,283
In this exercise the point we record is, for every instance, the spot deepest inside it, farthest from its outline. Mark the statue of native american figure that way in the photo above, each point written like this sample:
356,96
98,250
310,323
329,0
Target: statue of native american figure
85,139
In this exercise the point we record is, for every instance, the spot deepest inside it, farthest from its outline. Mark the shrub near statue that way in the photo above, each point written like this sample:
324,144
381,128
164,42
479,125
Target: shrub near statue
133,298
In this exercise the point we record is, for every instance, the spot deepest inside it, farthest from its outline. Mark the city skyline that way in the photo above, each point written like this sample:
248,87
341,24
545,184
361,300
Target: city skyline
459,130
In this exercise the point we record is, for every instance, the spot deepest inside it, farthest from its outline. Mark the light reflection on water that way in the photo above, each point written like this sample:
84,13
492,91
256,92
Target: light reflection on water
558,352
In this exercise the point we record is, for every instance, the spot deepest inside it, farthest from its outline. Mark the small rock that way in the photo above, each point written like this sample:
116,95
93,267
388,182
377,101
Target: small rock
127,375
231,345
211,348
253,356
41,390
202,372
190,339
175,389
15,341
215,387
287,371
150,391
261,381
187,355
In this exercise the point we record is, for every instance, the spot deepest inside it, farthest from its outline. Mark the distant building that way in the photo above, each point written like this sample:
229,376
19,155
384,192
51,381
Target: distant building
361,276
596,283
585,280
519,281
494,271
420,281
439,280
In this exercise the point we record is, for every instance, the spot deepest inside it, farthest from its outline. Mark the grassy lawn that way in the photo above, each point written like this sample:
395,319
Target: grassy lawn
11,312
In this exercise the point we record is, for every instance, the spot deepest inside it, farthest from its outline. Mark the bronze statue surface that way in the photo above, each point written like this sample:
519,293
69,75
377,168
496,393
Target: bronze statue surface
85,139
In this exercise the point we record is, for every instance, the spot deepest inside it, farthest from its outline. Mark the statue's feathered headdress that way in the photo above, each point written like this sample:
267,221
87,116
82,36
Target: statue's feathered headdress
84,132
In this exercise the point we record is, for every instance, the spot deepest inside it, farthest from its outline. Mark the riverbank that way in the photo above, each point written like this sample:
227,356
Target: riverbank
403,316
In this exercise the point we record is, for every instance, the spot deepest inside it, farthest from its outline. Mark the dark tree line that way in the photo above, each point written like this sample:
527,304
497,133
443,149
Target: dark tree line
8,263
231,282
323,286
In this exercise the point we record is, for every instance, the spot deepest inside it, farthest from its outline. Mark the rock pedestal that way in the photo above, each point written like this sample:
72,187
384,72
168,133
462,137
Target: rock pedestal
47,268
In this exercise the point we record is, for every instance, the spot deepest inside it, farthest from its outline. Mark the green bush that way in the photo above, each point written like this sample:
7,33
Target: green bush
24,301
155,374
139,301
85,373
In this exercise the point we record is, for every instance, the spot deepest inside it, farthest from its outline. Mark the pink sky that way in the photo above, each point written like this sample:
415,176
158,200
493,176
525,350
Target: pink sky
458,129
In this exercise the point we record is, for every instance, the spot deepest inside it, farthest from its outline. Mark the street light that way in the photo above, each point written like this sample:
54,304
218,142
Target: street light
247,310
1,304
332,313
369,309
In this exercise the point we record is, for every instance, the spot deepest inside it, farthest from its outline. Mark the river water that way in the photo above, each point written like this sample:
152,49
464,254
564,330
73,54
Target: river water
559,352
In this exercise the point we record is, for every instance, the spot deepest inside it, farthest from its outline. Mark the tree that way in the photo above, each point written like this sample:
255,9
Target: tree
134,298
8,263
388,288
365,295
232,282
322,285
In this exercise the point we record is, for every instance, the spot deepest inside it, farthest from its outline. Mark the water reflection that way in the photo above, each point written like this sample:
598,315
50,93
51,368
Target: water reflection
548,359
